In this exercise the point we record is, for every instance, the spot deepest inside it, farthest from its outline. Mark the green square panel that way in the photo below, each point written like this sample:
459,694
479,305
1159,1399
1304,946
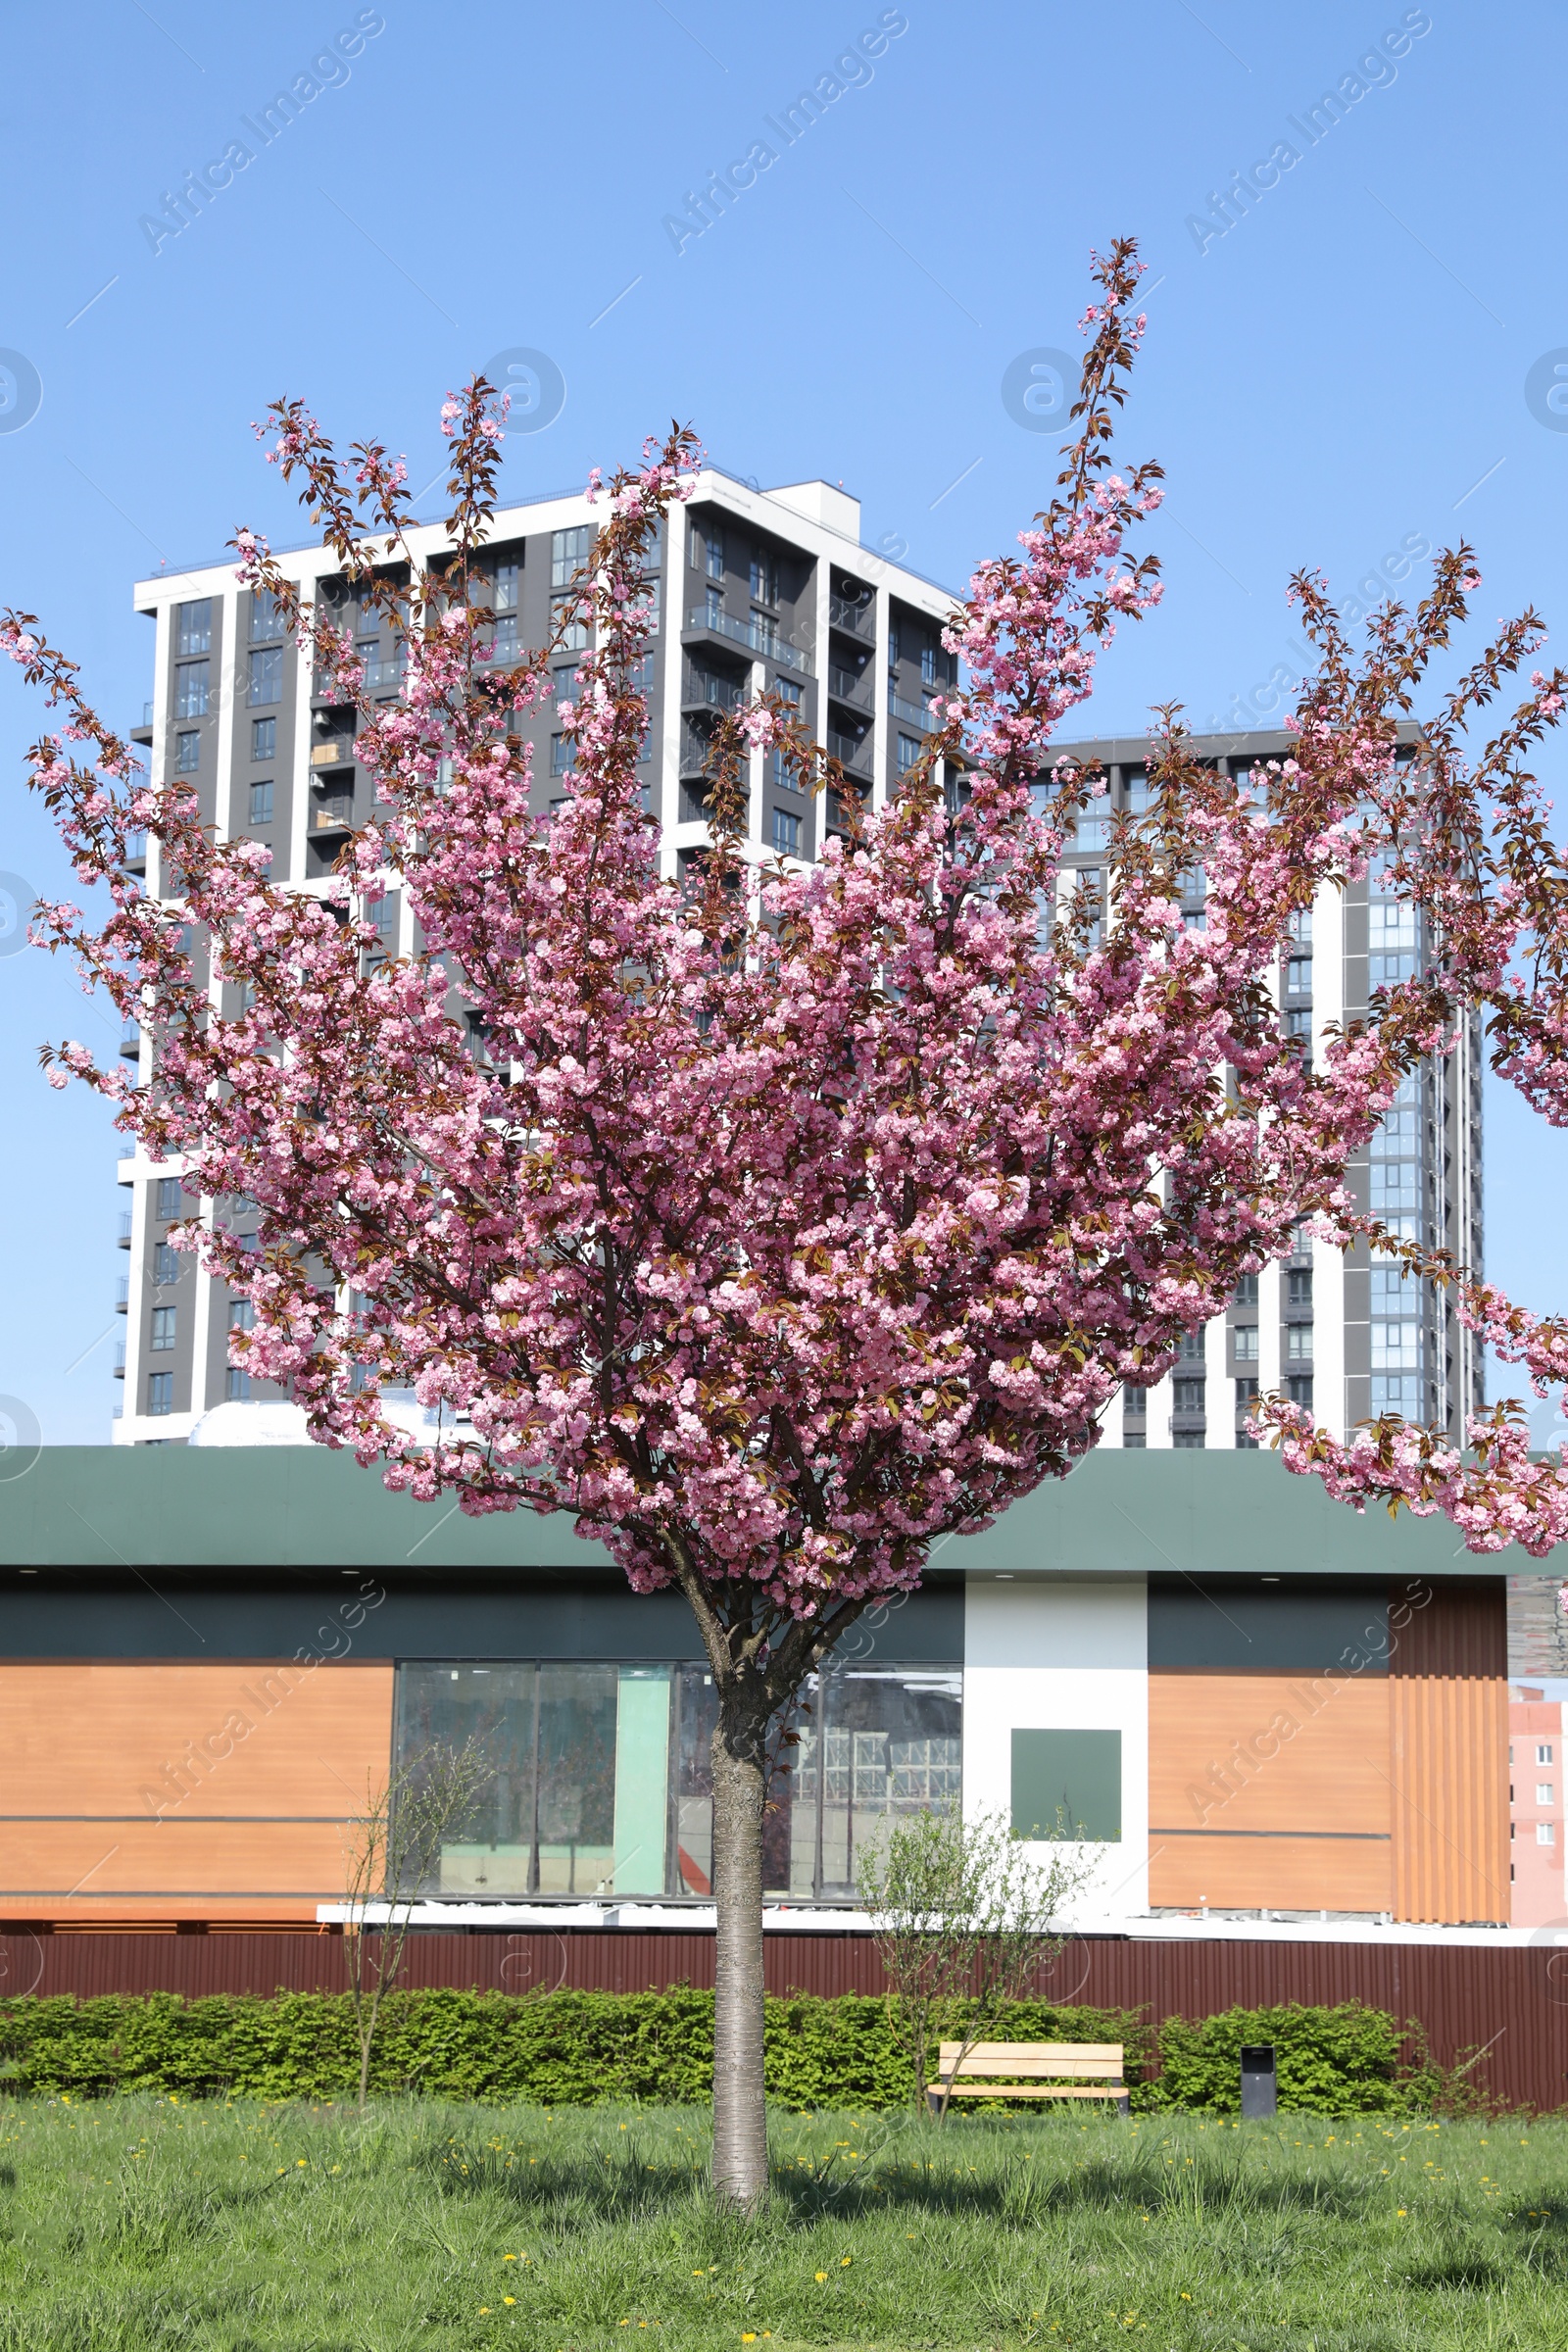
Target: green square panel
1071,1777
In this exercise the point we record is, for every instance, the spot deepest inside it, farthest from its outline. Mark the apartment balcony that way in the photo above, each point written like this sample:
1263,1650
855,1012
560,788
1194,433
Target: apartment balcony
386,677
839,807
759,636
333,814
136,853
854,615
119,1361
702,690
130,1042
852,686
144,733
123,1235
852,752
338,752
916,714
122,1296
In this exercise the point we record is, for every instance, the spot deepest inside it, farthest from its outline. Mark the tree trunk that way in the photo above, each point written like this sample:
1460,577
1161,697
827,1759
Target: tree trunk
740,2115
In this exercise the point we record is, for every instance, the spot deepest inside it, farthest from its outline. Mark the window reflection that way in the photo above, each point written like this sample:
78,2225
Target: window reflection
603,1780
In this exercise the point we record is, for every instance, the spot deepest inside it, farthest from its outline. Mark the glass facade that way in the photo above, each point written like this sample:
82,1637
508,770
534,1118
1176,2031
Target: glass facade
603,1783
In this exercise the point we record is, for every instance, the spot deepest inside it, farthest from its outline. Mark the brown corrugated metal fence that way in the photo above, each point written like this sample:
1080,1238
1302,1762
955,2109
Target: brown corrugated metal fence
1513,2001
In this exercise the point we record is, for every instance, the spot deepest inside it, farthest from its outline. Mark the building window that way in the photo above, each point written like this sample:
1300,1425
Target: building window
262,804
193,627
602,1782
1300,927
1190,1348
1298,976
1134,1400
1399,1392
504,598
559,754
1187,1441
1391,926
191,689
266,675
188,753
1299,1287
1544,1794
236,1385
1246,1293
159,1394
780,774
908,752
1397,1347
1188,1396
786,833
1545,1832
1298,1342
166,1262
163,1338
714,550
171,1196
1543,1753
569,552
763,576
1244,1342
1298,1390
264,738
265,619
574,633
242,1314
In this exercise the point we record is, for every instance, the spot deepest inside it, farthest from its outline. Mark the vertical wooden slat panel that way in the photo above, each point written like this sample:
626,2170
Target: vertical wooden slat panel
1449,1725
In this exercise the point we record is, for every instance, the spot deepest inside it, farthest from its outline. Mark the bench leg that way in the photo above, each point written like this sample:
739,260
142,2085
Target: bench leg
1124,2105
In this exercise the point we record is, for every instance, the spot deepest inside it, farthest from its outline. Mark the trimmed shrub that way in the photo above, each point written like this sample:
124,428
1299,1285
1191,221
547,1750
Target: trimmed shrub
1347,2060
585,2049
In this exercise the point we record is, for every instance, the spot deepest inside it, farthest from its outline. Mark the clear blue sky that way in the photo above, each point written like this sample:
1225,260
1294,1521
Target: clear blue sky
1340,373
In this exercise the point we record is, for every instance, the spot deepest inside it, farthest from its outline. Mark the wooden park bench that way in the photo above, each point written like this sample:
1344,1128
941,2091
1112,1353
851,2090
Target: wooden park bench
1030,2070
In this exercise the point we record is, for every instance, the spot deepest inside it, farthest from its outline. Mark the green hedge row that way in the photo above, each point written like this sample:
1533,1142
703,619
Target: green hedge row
579,2048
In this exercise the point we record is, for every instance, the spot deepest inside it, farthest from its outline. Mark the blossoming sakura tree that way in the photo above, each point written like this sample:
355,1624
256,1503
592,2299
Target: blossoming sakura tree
783,1220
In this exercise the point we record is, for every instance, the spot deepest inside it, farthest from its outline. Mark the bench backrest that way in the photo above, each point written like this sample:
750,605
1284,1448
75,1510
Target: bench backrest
1034,2061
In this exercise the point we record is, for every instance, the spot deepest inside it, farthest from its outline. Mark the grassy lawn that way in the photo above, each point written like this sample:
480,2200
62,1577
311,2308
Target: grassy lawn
138,2223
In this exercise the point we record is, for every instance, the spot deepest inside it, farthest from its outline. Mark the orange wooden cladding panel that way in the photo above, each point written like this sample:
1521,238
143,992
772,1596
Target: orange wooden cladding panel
1247,1758
1451,1752
1272,1874
1269,1751
127,1759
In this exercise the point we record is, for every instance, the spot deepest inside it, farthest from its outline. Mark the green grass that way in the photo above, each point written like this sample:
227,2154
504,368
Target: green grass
136,2223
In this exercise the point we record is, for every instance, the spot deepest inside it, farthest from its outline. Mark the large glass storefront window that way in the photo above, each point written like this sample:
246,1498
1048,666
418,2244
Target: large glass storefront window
602,1781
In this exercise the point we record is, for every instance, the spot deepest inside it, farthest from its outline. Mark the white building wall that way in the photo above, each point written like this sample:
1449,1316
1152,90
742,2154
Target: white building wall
1061,1657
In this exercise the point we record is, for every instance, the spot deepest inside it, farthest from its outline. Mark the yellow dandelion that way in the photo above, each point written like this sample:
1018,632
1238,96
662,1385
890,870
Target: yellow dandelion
846,2260
822,2277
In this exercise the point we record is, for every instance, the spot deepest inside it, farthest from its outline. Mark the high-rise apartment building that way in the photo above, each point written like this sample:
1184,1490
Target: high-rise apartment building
755,591
770,591
1345,1336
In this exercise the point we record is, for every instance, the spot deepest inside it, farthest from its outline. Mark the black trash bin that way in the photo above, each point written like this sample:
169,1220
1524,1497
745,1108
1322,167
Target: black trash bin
1259,2085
